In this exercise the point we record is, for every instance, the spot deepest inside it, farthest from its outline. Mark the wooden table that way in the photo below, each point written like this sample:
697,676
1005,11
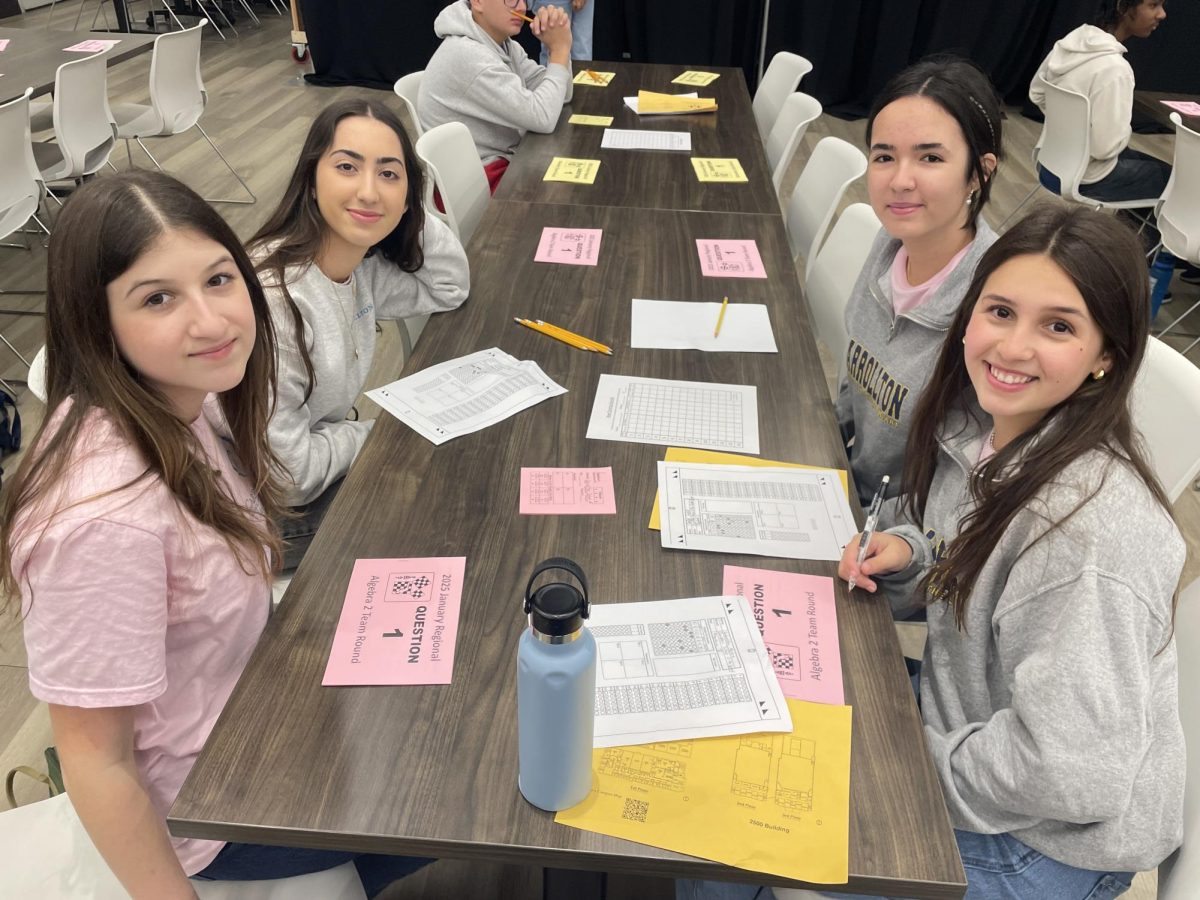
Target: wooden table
1149,104
650,179
432,770
33,56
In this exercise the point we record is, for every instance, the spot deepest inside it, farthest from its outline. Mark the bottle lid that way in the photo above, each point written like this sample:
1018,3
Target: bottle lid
557,609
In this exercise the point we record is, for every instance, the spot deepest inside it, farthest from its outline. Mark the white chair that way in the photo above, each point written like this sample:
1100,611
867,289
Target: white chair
1179,874
408,89
452,164
177,100
833,166
1178,211
45,852
84,131
37,374
798,111
1166,410
830,278
781,78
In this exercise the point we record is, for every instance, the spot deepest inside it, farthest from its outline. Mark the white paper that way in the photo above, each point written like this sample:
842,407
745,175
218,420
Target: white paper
627,139
672,670
676,413
675,325
632,103
791,513
466,394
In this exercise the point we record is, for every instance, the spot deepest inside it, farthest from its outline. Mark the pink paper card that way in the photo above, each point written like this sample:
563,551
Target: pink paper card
568,492
4,43
570,246
798,621
92,46
1187,107
399,622
730,259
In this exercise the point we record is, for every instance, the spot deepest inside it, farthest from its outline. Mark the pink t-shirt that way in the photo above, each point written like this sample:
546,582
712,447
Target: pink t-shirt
136,604
907,297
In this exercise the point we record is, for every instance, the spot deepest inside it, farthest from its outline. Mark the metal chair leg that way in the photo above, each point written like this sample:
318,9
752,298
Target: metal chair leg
1017,208
241,181
217,6
15,351
250,12
1190,310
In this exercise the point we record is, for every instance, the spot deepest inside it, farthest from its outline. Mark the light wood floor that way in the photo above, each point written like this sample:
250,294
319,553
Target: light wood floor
259,112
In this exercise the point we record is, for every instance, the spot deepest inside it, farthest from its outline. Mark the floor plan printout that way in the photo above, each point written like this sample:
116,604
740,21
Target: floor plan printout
790,513
688,413
678,669
776,803
467,394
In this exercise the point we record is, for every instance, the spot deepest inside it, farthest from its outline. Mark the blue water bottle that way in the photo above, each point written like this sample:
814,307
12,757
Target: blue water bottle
556,692
1161,271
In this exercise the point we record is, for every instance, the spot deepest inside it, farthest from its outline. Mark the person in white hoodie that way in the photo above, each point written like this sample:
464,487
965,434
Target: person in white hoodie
1091,61
483,78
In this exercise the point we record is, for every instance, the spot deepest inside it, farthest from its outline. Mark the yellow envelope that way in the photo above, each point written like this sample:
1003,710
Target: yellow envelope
575,171
715,169
699,79
581,119
716,458
594,78
651,103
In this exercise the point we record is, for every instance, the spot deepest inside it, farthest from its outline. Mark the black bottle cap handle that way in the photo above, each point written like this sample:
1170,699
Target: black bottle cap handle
566,565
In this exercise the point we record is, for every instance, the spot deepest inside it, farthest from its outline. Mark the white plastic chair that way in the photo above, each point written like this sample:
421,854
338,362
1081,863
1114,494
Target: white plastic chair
408,89
37,374
830,277
1179,874
21,187
45,852
177,100
781,78
84,131
1178,211
799,110
453,165
1166,410
833,166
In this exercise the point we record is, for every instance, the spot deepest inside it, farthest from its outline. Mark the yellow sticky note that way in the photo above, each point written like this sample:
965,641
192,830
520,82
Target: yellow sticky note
575,171
775,803
714,169
716,458
699,79
594,78
581,119
652,103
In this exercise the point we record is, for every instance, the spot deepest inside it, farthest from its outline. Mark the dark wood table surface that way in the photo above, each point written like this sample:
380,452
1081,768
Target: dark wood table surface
432,770
1149,104
651,179
33,56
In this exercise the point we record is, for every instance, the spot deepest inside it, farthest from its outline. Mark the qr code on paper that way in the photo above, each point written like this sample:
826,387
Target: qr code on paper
409,585
635,810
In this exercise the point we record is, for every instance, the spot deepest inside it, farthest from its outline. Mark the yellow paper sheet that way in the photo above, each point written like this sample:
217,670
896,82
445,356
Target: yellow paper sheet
699,79
716,458
714,169
650,103
601,80
774,803
575,171
581,119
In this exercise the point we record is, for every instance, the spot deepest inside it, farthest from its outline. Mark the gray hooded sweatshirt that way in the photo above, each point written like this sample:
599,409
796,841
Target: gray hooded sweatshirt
496,90
889,360
1054,714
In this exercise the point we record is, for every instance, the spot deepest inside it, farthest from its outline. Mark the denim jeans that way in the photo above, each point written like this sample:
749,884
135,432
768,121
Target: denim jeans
581,27
298,531
256,862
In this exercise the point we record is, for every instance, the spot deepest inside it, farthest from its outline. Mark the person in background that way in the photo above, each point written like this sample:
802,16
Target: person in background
580,13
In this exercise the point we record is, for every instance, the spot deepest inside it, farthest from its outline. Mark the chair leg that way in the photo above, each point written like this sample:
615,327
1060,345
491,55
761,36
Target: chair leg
1185,350
250,12
241,181
221,13
1190,310
146,150
211,20
15,352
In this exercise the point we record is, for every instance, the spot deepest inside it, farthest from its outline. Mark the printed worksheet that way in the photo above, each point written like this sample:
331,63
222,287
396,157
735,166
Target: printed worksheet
791,513
567,492
700,79
684,325
632,102
569,246
635,139
687,413
592,77
670,670
466,394
573,171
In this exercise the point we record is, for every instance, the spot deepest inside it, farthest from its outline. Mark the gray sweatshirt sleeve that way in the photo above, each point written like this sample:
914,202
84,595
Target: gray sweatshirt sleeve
499,95
900,587
442,283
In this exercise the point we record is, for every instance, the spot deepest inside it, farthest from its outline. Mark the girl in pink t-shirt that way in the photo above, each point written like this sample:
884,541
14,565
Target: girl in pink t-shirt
139,542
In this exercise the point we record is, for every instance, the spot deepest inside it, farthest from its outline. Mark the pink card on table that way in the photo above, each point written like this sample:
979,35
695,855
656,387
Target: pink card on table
798,621
399,622
4,43
730,259
569,246
92,46
567,492
1187,107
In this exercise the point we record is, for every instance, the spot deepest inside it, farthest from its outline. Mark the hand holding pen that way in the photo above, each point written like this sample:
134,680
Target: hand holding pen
864,542
881,553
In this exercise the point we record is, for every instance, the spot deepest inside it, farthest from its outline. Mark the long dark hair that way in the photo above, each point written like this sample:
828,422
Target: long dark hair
104,228
1109,13
1103,259
962,89
294,232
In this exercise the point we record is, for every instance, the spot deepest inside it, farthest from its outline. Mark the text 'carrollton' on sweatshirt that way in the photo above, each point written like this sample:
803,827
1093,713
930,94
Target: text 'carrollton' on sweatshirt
496,90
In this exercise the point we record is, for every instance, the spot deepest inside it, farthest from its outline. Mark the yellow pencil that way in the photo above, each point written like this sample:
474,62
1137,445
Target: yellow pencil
550,334
721,317
513,12
596,345
592,75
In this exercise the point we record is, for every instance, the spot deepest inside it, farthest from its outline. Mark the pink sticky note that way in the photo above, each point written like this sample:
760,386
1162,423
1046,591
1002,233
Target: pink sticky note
798,621
1187,107
568,492
92,46
730,259
399,622
571,246
4,43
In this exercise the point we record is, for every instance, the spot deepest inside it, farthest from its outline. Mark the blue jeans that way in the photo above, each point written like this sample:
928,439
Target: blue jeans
1135,177
581,27
256,862
299,529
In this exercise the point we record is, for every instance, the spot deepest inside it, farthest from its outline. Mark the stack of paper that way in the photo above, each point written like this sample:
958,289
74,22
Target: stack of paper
651,103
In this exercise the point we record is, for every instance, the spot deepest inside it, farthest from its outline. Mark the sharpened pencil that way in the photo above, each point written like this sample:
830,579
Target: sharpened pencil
721,317
541,329
595,345
513,12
